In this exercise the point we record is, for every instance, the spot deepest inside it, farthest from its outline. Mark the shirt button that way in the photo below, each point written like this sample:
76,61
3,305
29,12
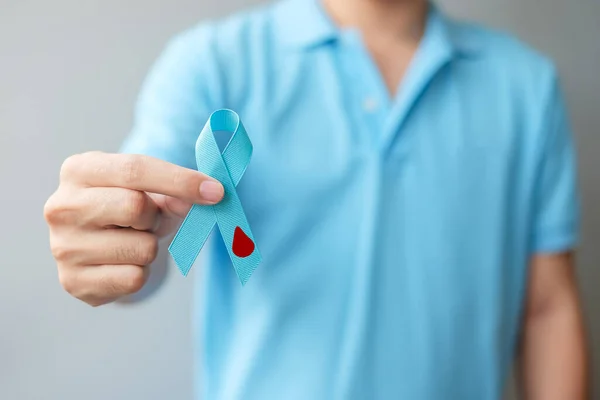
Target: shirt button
370,104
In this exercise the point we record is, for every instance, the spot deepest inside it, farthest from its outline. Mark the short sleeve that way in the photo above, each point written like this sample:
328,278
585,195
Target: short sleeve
175,100
556,209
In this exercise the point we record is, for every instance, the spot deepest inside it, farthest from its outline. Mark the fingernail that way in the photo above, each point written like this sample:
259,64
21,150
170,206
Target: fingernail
211,191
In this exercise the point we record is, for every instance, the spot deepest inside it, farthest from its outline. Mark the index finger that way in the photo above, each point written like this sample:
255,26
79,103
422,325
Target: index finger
148,174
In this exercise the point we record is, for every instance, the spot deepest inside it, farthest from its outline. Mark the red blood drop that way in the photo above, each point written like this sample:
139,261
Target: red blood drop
242,245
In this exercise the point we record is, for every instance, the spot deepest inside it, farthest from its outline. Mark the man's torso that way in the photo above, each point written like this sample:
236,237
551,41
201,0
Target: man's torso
395,233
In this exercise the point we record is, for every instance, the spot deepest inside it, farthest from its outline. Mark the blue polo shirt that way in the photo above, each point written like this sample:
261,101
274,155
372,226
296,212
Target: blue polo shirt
395,232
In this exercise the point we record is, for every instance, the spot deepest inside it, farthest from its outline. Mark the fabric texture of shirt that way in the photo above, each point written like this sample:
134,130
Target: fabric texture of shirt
395,232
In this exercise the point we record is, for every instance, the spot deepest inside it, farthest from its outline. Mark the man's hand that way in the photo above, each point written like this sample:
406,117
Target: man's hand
107,215
554,355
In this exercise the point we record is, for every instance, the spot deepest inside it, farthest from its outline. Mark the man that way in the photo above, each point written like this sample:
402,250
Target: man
412,192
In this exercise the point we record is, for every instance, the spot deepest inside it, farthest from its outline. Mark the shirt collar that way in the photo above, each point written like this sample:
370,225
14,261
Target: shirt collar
304,24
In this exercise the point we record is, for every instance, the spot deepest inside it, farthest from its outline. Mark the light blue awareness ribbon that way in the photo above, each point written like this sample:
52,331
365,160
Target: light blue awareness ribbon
228,169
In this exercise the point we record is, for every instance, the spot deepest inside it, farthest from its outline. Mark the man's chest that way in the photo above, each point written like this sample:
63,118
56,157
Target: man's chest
444,158
320,129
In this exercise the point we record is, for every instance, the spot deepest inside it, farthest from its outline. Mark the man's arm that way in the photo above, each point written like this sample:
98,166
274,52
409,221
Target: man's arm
177,97
553,362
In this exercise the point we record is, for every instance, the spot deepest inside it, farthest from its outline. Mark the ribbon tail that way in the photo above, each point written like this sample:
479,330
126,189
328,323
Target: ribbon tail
191,236
245,270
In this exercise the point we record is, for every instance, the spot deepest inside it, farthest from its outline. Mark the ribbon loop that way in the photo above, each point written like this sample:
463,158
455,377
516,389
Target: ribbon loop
228,168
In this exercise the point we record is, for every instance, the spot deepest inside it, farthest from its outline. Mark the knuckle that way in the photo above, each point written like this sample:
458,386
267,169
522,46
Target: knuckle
74,166
142,252
61,252
135,205
124,254
58,210
70,166
134,280
149,250
132,168
68,282
107,285
53,212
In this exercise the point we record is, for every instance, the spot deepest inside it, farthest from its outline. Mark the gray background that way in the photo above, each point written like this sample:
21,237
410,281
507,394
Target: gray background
69,74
